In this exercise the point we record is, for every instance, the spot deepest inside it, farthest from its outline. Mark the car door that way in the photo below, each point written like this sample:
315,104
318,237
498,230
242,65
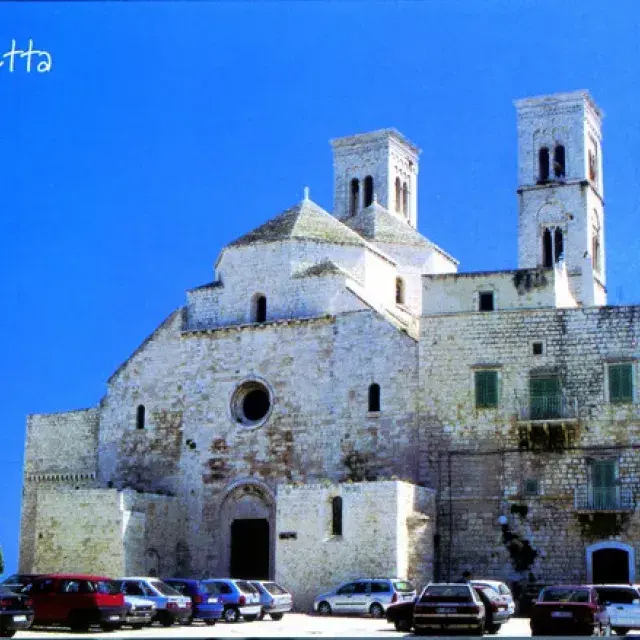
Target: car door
361,599
341,601
42,593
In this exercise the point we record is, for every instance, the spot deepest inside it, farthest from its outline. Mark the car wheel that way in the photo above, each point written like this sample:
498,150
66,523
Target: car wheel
276,616
166,619
621,631
402,625
493,628
7,633
324,608
420,631
78,622
231,614
250,618
376,610
187,621
137,626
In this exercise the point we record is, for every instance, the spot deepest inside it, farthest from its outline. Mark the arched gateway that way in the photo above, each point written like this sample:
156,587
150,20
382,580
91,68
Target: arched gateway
610,562
247,525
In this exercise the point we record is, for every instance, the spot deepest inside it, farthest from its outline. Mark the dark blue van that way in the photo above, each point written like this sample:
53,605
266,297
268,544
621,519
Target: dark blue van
206,603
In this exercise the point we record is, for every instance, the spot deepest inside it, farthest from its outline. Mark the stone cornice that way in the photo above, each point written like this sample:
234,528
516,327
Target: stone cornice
261,326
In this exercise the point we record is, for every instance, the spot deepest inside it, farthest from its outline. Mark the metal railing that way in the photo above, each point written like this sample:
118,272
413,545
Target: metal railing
616,498
553,406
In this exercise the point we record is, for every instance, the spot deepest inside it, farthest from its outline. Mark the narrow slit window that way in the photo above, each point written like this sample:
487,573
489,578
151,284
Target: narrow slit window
354,195
547,249
336,516
559,161
399,291
405,199
259,309
140,417
374,397
559,245
398,195
368,191
543,164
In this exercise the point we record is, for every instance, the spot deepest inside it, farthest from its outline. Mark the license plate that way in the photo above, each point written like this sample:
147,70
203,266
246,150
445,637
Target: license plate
114,617
19,618
443,610
407,596
212,600
561,614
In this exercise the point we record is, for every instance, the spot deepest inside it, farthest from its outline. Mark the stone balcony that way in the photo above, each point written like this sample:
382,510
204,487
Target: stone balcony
592,500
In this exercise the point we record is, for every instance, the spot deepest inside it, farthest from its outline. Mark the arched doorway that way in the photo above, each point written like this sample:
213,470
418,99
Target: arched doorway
610,563
247,526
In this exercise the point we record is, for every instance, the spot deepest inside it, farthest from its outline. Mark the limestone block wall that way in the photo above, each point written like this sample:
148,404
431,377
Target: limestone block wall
78,531
459,292
375,539
60,451
318,373
578,345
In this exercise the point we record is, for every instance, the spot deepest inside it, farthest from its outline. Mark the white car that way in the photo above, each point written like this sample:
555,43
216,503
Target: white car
623,606
140,611
502,589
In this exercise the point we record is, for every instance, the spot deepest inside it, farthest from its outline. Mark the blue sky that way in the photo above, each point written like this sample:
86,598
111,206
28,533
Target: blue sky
165,130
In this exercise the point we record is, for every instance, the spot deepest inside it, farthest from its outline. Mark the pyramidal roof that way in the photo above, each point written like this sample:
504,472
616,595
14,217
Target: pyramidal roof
375,223
304,221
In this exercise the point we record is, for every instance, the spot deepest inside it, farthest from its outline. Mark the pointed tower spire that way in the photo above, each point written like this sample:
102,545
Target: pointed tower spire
306,193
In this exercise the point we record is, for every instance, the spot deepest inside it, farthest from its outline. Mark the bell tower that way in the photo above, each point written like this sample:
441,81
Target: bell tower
560,189
383,163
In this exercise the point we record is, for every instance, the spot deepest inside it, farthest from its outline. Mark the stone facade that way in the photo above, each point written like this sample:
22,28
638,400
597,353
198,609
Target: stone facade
466,420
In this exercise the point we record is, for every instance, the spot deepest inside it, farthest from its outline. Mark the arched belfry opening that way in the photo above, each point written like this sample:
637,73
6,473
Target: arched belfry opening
259,308
247,531
543,164
398,195
559,168
368,191
559,244
405,199
547,249
354,196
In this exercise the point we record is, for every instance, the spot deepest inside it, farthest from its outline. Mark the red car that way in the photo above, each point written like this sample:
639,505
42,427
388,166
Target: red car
77,601
569,610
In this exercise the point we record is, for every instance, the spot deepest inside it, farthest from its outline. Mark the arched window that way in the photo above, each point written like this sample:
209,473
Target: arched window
547,249
354,196
259,308
140,417
374,397
559,244
559,161
399,291
398,195
368,191
543,164
336,516
405,199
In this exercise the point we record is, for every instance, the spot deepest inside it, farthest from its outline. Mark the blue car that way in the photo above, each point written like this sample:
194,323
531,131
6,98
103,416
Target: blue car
206,603
238,597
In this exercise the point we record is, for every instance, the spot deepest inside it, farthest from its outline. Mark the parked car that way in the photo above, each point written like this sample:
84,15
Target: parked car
205,603
400,614
77,601
140,611
496,608
569,610
18,581
16,612
274,599
238,597
528,596
623,606
365,595
171,606
445,606
502,589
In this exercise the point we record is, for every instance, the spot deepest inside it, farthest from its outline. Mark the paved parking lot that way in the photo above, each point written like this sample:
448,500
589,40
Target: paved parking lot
292,625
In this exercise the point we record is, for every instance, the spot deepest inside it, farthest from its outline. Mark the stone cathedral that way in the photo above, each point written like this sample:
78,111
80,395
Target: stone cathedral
340,401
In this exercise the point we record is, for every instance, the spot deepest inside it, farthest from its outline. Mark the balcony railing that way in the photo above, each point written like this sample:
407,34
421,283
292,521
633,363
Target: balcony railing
547,408
602,499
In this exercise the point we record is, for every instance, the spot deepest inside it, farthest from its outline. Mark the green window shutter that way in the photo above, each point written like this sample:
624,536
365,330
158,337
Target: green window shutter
620,383
486,389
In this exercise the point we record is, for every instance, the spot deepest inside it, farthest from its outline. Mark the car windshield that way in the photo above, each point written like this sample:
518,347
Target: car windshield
181,587
617,596
564,595
274,589
245,586
163,588
447,594
6,592
403,585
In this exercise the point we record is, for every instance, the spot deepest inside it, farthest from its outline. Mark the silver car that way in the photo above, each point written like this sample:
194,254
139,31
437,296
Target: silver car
365,595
